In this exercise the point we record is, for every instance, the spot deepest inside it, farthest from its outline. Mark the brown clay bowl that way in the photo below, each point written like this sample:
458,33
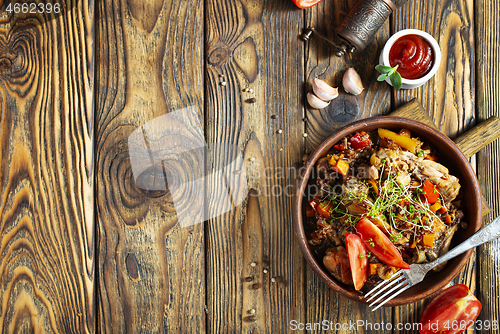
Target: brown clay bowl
450,156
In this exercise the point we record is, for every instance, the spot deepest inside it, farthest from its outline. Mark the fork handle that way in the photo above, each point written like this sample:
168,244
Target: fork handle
487,233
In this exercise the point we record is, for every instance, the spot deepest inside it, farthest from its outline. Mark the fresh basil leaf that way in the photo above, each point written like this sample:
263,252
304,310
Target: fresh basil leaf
383,69
382,77
396,80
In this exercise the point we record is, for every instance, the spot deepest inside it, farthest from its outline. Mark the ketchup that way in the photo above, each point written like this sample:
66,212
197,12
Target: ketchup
413,54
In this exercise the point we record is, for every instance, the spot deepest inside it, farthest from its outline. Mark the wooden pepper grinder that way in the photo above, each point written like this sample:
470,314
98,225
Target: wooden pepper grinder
362,23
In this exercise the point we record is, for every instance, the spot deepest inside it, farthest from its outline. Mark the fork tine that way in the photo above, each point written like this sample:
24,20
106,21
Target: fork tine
381,288
394,295
401,284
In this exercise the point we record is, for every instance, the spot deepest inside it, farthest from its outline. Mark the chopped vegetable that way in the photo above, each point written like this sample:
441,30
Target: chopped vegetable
310,212
428,240
430,191
435,207
358,141
402,141
447,219
379,244
340,166
358,260
452,311
322,208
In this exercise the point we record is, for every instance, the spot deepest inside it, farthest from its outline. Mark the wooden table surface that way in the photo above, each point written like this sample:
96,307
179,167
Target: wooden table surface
83,249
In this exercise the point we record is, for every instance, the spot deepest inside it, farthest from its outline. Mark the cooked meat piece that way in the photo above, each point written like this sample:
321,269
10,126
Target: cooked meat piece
447,185
337,264
367,172
344,230
404,179
326,232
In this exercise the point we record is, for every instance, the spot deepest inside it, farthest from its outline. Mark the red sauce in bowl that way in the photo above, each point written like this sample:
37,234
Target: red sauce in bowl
413,54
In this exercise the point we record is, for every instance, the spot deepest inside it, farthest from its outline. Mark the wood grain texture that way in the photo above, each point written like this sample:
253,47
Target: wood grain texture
449,95
488,104
375,100
415,111
150,66
323,64
255,271
479,136
46,172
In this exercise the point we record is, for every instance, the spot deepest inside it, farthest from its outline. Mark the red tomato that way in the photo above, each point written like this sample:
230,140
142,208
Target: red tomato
357,141
324,209
358,260
450,312
430,191
305,3
379,244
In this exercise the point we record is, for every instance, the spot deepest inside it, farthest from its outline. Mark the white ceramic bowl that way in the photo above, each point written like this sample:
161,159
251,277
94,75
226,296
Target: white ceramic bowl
407,83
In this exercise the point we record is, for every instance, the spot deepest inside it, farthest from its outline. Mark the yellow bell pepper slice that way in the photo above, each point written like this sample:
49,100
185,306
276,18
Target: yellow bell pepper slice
403,141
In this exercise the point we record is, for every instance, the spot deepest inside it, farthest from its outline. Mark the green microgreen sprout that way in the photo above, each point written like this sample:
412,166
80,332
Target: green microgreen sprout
391,73
368,254
370,241
396,237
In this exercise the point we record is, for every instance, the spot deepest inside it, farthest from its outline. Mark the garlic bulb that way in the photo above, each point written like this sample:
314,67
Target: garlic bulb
316,102
323,90
352,82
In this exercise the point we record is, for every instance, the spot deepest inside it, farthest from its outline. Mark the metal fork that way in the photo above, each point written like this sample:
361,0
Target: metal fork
406,278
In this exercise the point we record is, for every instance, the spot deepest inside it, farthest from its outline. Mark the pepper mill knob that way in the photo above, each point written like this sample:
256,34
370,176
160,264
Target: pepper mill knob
362,23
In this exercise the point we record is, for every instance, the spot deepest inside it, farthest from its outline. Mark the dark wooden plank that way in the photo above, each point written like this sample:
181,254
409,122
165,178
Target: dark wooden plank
151,258
255,45
488,89
324,303
449,96
322,63
47,228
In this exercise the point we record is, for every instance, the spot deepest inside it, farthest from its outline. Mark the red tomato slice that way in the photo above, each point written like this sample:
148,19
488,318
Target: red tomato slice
358,260
430,191
379,244
305,3
450,312
357,141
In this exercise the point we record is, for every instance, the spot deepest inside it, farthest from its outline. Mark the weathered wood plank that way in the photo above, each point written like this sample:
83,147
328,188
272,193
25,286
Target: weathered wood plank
322,63
488,104
151,256
254,44
449,96
325,304
47,228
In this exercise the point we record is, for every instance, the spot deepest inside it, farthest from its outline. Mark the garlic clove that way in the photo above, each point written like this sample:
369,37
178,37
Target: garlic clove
352,82
316,102
323,90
